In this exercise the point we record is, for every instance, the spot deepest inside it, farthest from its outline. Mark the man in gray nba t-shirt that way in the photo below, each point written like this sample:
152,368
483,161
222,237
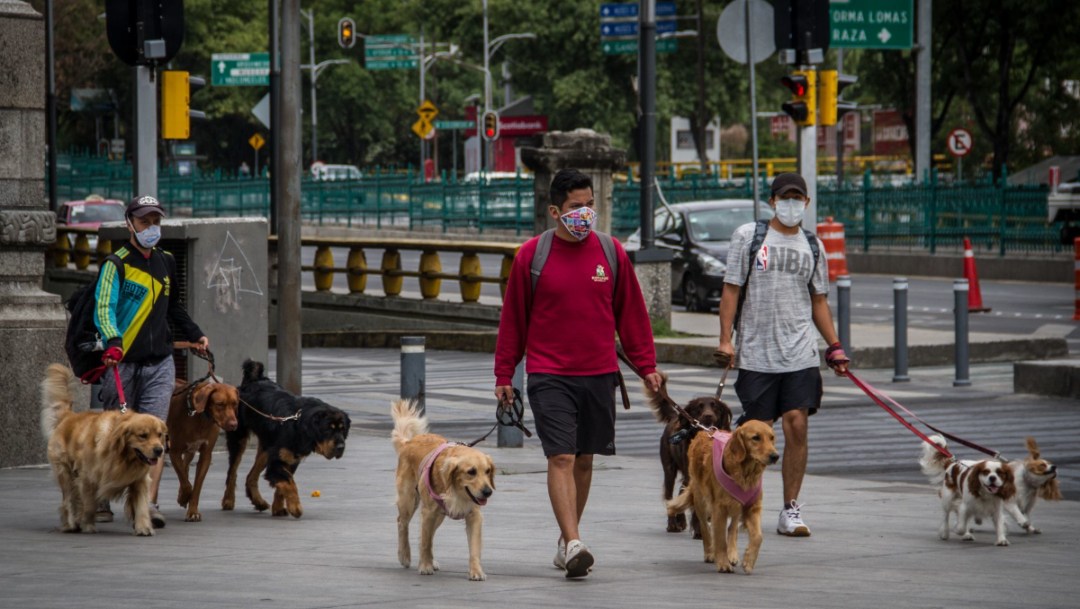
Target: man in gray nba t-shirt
786,299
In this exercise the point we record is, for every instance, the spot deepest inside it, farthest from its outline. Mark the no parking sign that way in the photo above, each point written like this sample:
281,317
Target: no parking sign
959,142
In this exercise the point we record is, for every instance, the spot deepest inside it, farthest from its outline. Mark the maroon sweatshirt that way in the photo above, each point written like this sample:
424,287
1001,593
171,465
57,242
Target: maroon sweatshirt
569,326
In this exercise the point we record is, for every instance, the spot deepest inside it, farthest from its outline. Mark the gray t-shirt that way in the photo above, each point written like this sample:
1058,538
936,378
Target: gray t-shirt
776,332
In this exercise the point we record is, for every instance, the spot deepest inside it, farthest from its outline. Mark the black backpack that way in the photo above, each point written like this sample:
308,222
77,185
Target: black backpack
760,230
82,342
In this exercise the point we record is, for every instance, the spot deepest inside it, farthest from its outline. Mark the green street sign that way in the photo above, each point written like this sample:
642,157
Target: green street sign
240,69
630,46
388,39
454,125
394,52
393,64
871,24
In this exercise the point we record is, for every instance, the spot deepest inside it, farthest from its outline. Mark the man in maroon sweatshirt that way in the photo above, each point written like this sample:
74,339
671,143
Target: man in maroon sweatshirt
568,328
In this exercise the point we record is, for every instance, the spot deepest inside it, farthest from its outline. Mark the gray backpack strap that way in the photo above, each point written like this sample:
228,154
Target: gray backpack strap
608,244
814,250
543,248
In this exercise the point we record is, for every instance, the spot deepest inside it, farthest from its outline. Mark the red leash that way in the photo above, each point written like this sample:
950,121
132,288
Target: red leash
874,395
92,377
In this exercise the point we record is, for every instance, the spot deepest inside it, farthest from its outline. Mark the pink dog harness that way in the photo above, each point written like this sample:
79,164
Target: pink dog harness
744,496
425,475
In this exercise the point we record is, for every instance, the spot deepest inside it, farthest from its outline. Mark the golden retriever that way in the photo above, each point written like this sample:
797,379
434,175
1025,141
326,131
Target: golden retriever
443,479
98,455
750,449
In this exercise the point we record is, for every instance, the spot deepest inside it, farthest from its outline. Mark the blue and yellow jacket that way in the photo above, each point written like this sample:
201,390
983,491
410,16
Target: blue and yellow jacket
134,307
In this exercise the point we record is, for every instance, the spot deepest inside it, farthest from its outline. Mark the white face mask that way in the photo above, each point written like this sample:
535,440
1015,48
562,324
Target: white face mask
148,238
790,212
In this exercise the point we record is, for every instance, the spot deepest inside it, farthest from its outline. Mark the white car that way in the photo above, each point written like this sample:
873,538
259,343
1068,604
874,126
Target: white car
334,173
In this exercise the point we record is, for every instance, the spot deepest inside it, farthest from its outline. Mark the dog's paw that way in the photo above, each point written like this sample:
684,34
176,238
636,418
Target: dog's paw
710,558
261,506
86,528
477,576
1033,530
276,511
228,504
695,535
723,567
968,537
673,525
183,496
1002,542
144,531
429,569
193,517
295,511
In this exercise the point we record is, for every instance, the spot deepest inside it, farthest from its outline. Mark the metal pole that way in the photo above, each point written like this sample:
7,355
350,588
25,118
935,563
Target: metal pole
288,172
50,102
413,371
484,142
960,310
839,127
647,88
843,311
753,108
922,90
900,326
510,436
808,169
423,151
145,132
314,77
275,114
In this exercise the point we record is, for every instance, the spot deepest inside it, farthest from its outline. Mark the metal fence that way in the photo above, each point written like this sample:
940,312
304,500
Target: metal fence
876,214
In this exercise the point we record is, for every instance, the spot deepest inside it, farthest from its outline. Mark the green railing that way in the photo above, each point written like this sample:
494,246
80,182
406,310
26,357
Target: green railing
998,219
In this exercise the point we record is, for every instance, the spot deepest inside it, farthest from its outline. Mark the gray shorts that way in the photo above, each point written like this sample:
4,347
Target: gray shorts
574,415
148,388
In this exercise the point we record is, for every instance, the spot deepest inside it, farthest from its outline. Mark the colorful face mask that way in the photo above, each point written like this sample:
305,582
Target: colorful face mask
579,221
790,211
148,238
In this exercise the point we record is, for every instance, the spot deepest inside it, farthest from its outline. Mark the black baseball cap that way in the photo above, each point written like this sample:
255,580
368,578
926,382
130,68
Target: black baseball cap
787,182
146,204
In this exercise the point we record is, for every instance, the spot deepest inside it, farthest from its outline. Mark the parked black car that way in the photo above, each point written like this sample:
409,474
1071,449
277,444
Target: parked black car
699,233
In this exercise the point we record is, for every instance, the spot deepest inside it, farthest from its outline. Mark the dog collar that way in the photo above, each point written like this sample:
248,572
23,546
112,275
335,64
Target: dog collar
745,496
425,474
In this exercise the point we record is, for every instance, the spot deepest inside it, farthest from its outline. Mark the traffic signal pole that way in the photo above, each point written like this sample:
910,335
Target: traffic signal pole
647,129
146,119
808,170
287,175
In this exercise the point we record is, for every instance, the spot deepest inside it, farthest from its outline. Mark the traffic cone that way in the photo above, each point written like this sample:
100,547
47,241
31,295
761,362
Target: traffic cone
975,304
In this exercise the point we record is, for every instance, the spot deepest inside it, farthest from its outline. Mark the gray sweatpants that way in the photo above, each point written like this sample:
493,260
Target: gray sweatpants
147,387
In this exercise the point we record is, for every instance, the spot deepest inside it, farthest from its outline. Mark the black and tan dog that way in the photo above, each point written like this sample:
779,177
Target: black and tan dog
675,441
288,428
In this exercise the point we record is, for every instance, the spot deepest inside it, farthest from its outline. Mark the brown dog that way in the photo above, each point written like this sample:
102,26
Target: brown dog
98,455
674,442
444,480
195,416
750,449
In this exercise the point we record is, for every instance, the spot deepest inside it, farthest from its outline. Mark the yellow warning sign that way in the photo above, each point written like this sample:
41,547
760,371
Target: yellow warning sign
256,141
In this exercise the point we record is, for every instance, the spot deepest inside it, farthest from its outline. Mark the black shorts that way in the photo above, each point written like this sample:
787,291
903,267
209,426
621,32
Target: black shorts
766,396
574,415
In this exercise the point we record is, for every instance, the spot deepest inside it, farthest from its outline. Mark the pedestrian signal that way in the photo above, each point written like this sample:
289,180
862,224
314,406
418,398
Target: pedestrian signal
801,107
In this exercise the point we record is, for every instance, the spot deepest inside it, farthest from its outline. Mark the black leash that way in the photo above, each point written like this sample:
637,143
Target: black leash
664,394
510,415
189,399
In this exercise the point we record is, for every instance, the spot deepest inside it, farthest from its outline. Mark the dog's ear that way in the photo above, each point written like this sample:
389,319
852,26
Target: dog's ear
723,415
491,466
1032,447
1008,486
117,438
1051,491
974,478
202,396
737,444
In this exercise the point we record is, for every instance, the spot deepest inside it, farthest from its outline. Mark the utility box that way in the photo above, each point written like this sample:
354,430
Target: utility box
221,267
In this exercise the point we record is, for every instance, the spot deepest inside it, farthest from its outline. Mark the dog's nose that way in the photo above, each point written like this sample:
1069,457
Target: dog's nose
158,450
708,420
774,457
231,425
1051,469
487,492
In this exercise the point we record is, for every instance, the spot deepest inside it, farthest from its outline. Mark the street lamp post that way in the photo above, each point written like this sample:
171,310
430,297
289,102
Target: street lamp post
489,49
315,68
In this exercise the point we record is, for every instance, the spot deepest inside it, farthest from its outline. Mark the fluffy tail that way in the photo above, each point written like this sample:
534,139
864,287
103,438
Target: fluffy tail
680,504
57,397
932,462
253,371
663,409
408,423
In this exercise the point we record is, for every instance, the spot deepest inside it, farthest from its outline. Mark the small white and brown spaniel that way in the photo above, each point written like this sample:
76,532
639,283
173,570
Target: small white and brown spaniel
1035,477
972,490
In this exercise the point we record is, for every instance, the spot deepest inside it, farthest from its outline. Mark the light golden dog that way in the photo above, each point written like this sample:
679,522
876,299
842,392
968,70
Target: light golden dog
98,455
443,479
749,451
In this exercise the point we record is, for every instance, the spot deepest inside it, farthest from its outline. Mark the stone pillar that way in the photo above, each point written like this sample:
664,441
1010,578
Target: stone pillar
32,322
592,154
582,149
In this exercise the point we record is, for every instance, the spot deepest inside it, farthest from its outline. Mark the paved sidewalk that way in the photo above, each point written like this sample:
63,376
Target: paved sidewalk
873,543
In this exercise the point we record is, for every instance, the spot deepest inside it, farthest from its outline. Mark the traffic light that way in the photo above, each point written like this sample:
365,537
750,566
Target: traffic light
801,107
175,105
346,33
176,113
833,84
490,126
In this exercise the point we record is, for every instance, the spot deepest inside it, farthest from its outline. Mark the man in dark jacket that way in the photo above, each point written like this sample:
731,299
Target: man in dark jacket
134,307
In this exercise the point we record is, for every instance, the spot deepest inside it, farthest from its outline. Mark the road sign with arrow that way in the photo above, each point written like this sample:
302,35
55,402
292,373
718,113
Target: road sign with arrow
240,70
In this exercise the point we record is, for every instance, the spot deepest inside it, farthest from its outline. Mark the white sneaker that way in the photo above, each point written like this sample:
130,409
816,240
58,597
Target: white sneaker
791,523
579,560
560,556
